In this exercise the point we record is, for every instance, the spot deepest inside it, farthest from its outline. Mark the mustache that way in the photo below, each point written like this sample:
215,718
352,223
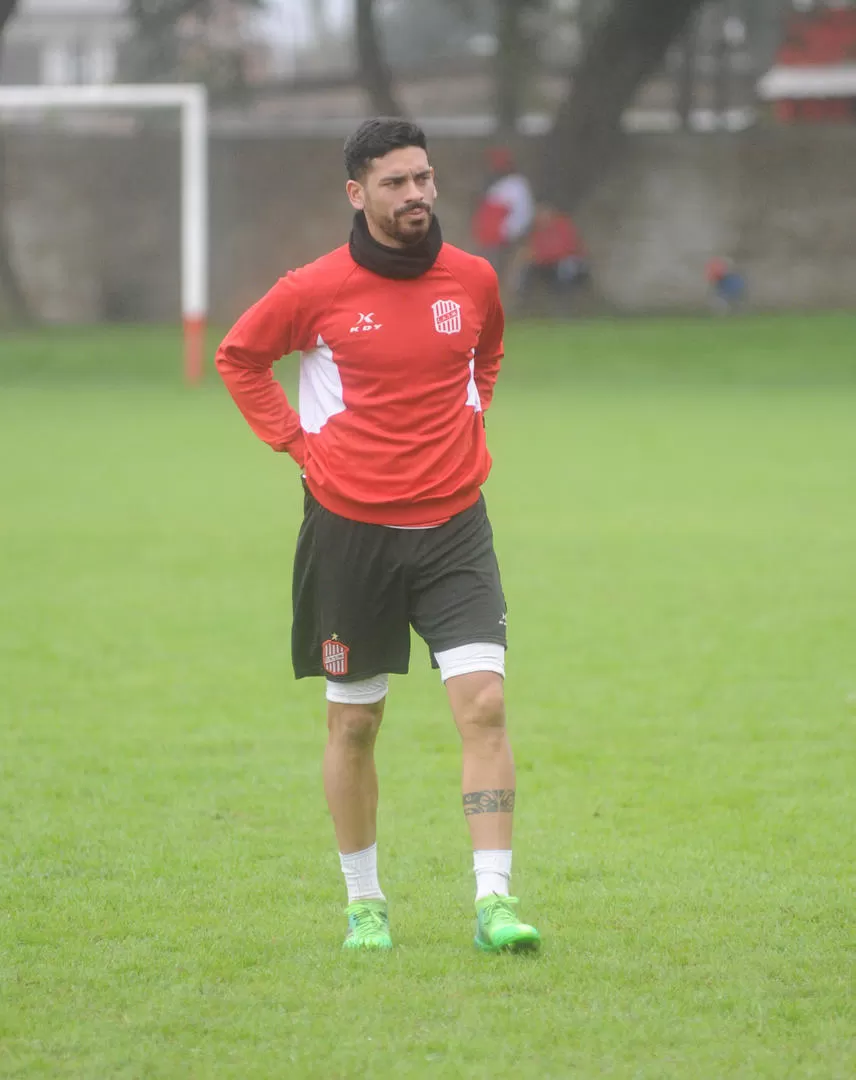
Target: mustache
413,206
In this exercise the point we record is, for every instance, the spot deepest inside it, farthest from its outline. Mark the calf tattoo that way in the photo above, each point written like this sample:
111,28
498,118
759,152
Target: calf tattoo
497,801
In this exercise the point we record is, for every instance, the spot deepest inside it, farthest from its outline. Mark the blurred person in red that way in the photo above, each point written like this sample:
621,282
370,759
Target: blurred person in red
505,211
553,255
727,285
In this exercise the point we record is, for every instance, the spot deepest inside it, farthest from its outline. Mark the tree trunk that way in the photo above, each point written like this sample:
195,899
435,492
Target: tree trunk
589,14
318,21
509,65
686,77
626,48
722,68
373,69
13,300
7,10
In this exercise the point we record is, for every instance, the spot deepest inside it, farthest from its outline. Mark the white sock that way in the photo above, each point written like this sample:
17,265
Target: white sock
493,872
360,870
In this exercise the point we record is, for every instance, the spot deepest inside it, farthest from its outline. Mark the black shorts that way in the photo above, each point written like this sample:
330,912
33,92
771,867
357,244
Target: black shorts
359,588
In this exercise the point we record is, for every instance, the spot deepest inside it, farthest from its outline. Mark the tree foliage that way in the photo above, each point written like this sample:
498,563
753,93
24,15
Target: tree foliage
417,35
157,51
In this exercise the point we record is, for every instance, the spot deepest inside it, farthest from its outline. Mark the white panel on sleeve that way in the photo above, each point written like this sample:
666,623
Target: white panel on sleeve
320,392
473,398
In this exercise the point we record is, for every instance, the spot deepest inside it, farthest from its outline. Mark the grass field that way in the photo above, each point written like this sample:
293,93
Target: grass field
675,512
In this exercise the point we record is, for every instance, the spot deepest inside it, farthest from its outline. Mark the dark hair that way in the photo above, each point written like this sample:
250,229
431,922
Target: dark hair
376,138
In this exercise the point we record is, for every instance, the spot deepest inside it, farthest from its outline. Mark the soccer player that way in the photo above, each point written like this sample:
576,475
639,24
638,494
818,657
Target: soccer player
400,336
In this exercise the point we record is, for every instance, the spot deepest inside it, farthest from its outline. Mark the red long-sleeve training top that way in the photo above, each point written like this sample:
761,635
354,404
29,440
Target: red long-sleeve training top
394,375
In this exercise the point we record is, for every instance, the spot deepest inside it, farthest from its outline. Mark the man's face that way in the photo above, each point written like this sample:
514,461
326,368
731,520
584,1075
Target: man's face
397,194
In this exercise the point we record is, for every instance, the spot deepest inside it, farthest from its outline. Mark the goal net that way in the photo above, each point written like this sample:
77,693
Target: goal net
56,221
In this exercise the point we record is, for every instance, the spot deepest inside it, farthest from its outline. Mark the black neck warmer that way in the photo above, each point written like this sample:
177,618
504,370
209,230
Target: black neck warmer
401,263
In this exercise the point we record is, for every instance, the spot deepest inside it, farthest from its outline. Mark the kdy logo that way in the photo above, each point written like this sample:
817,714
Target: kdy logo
365,324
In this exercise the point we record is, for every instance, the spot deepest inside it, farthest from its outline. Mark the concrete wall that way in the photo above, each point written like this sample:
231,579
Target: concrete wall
95,220
783,202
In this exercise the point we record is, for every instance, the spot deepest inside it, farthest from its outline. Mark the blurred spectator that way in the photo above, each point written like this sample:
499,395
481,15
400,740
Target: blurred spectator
727,285
554,256
505,211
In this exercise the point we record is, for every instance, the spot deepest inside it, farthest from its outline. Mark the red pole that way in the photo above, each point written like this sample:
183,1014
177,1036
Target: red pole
194,350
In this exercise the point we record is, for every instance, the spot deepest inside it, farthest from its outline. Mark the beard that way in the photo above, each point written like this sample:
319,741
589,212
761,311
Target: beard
408,230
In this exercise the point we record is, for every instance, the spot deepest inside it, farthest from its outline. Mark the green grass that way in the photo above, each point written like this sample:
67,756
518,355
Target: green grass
675,511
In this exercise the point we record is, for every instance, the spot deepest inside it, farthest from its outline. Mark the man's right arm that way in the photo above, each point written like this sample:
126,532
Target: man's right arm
245,359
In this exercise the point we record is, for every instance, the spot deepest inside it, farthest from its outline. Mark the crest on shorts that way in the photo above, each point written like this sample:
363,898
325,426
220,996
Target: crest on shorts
334,656
447,316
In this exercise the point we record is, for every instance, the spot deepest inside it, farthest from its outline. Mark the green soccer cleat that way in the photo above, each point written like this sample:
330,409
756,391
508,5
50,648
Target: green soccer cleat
498,928
368,925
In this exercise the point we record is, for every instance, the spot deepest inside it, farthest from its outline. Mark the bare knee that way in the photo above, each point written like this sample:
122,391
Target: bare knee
355,726
479,707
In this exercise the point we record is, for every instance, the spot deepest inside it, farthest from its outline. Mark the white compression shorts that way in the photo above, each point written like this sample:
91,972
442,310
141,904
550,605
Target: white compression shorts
464,660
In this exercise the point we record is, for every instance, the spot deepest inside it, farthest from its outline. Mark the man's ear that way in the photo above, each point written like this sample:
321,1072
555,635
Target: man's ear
355,194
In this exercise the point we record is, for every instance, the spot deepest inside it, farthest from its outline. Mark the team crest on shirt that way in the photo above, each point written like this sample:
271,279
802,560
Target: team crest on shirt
447,317
334,656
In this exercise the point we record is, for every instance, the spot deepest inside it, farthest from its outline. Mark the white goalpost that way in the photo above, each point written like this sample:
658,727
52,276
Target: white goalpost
192,102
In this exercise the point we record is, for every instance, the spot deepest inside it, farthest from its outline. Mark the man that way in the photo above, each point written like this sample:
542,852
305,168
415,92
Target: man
727,285
505,211
400,338
554,255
